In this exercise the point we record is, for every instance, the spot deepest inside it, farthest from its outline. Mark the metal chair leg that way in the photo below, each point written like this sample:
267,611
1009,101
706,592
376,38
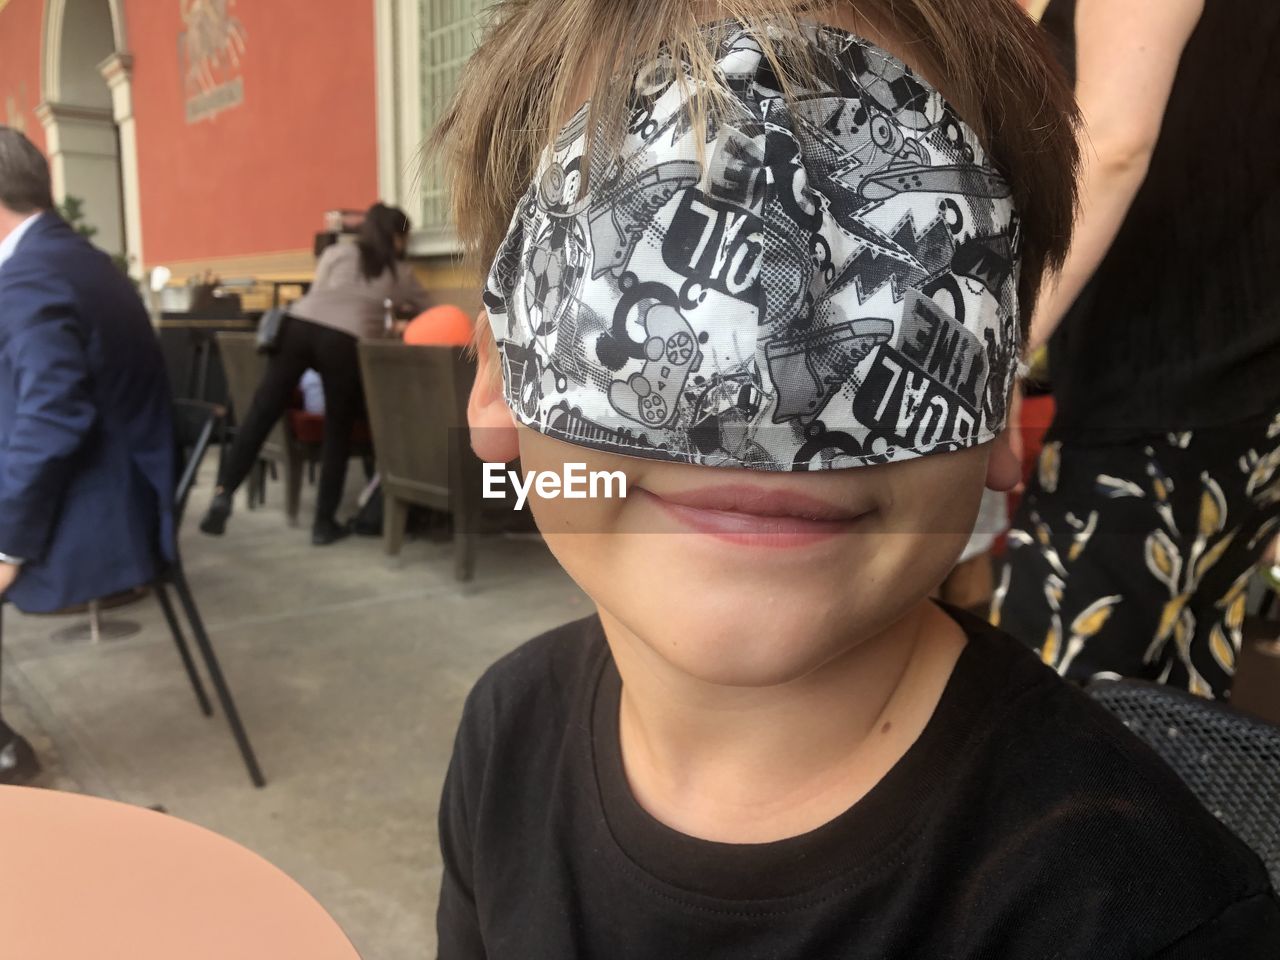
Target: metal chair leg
183,650
180,584
466,522
224,442
256,490
293,466
95,621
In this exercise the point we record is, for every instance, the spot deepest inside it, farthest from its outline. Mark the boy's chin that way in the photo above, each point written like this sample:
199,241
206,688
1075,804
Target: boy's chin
751,647
760,623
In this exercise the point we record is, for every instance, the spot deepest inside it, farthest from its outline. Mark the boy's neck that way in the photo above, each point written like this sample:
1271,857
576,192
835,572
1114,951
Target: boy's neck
753,765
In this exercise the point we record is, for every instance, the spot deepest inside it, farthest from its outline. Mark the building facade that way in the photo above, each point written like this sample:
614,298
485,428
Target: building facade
211,135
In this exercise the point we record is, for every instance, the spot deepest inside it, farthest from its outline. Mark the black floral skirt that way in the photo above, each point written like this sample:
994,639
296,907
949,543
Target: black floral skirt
1134,559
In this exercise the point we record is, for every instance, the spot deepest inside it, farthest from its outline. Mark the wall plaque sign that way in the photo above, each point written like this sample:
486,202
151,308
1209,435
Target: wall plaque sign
210,49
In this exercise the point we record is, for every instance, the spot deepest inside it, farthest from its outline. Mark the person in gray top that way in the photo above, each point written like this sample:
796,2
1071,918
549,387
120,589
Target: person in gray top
346,303
348,295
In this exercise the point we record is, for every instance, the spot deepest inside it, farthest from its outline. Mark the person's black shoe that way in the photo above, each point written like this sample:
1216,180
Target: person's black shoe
325,532
215,518
18,763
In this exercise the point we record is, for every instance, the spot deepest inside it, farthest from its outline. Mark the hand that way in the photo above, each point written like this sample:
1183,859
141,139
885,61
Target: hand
8,574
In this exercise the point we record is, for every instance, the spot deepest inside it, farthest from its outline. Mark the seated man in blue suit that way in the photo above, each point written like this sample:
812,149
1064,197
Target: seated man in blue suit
86,434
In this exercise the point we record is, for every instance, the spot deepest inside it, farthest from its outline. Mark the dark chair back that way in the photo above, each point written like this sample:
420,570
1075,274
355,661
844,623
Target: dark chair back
1230,760
191,355
417,401
244,367
194,424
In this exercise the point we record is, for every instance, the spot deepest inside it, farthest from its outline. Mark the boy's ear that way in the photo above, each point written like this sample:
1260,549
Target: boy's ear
493,430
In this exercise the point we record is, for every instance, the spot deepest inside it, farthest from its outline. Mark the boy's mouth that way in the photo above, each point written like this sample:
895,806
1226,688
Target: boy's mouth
755,516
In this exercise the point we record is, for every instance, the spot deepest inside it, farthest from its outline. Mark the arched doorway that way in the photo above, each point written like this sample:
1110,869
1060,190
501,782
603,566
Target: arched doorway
87,112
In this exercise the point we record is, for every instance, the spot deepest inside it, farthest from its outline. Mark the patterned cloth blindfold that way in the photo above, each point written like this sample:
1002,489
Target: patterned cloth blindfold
836,286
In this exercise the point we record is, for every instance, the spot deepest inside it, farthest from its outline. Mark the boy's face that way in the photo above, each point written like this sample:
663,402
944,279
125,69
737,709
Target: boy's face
748,578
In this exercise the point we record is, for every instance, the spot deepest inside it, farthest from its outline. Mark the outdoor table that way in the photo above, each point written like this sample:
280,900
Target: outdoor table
84,877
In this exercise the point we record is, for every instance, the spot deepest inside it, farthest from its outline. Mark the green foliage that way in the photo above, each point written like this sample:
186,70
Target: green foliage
72,211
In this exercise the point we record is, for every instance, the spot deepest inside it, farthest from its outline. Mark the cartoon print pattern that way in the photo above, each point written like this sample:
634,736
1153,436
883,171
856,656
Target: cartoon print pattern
836,287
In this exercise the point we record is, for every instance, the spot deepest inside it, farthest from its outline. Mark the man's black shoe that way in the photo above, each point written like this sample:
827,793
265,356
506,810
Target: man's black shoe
18,763
326,532
215,518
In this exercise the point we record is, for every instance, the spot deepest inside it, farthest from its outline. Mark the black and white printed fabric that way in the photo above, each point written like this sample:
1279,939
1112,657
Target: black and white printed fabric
836,286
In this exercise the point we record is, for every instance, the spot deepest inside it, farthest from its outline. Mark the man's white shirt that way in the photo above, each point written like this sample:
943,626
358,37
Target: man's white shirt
10,243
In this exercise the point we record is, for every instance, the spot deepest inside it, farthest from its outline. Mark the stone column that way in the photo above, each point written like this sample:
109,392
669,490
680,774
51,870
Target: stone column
117,70
84,160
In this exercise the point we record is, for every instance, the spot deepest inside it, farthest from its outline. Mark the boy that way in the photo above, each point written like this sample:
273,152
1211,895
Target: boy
773,277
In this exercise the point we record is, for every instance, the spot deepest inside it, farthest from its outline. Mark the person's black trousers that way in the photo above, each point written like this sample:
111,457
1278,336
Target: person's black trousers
300,345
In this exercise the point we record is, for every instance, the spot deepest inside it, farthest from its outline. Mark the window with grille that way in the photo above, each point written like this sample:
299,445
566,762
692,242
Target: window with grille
449,31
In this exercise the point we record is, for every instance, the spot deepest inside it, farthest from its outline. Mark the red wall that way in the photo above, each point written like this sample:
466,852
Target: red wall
21,23
256,177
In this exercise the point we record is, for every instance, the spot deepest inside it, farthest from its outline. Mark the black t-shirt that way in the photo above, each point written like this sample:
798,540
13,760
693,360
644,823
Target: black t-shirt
1024,823
1179,327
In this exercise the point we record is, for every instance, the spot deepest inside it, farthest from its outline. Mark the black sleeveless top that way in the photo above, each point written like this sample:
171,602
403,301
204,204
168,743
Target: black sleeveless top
1180,327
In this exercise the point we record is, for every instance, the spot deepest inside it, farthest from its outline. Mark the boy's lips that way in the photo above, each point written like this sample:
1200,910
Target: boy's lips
755,516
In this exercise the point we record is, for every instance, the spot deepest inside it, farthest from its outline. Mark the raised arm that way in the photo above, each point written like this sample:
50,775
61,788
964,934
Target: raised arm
1127,54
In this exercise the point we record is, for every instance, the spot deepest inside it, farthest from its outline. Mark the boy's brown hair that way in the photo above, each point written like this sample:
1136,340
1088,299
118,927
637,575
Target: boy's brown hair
531,72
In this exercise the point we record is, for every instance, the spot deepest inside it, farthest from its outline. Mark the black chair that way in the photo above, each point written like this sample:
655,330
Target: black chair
1230,760
194,425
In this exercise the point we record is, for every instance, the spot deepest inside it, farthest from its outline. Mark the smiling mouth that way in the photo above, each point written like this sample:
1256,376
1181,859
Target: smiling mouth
751,516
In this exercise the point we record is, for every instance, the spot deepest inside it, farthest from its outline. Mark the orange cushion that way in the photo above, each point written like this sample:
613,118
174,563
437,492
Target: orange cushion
443,326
